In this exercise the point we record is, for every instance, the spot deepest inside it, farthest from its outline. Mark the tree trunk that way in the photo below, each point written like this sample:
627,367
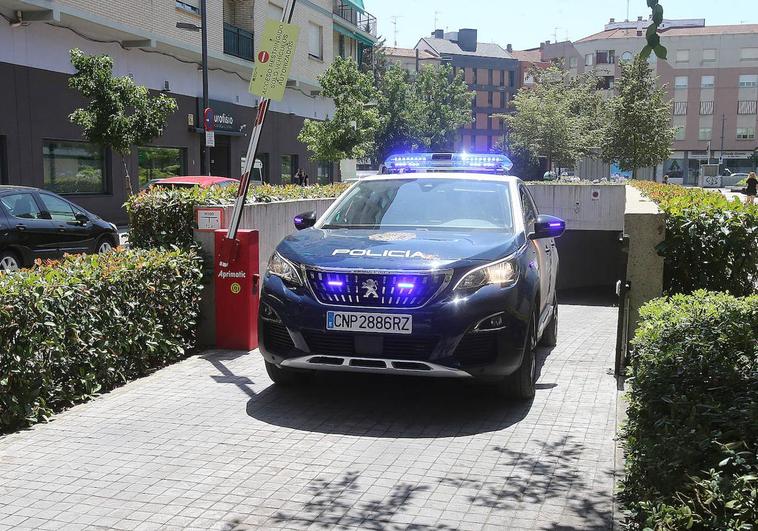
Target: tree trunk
127,179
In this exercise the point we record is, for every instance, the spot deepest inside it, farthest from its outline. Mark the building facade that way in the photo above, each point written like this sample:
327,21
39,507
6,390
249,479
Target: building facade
490,71
40,147
711,74
412,60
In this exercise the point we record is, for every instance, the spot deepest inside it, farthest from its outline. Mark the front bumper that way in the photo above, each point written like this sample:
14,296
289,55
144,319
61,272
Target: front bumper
443,342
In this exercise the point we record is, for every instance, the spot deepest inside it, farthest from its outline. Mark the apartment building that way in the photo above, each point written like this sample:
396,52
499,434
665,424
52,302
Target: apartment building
412,60
40,147
711,75
490,70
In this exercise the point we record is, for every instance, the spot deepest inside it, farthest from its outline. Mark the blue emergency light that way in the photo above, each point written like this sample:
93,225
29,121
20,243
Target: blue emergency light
448,162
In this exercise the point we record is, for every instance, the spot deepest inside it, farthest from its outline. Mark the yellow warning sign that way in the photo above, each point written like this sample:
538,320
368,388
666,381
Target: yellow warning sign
274,60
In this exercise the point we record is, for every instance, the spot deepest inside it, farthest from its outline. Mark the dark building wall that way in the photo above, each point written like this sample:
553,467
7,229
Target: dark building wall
589,259
35,105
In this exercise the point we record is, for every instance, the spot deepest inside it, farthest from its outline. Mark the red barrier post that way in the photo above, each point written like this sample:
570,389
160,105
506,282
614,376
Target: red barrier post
237,290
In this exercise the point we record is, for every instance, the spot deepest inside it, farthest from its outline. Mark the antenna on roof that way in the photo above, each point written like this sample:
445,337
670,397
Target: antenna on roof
436,17
394,19
627,10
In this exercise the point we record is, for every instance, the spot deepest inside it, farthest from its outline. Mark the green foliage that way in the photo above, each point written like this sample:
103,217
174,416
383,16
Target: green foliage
349,134
560,117
72,329
711,242
692,431
440,105
394,98
120,113
639,133
651,35
162,217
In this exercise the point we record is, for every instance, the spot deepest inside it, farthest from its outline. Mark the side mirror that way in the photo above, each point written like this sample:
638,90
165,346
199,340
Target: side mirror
305,220
547,227
82,218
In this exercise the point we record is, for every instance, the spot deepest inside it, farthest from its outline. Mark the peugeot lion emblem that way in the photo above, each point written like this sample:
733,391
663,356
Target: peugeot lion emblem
371,286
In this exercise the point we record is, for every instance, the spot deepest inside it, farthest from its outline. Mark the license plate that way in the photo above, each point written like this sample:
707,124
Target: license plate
370,322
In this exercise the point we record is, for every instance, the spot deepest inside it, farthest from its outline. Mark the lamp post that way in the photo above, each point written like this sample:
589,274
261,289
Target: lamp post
203,29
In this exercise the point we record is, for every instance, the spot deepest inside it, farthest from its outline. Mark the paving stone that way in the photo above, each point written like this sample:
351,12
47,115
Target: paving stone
209,443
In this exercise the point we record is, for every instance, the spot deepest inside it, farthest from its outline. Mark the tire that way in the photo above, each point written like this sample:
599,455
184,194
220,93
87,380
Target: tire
9,261
521,384
282,376
550,335
105,245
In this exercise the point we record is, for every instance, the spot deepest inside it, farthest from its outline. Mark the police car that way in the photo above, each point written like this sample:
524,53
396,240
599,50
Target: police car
442,267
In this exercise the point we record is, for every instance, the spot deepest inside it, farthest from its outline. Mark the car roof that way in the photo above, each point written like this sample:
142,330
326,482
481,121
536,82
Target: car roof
193,178
16,188
443,175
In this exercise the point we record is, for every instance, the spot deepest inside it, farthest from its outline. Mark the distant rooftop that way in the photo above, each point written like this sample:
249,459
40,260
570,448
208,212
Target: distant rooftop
531,56
410,53
670,28
483,49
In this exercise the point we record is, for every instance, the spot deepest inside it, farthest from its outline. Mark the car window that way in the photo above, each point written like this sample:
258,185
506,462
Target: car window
58,209
530,211
224,184
22,206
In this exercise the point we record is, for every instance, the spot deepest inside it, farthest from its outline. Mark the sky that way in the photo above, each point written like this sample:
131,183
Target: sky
526,23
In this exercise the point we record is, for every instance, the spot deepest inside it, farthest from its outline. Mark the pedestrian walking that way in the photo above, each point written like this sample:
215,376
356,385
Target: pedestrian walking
299,177
752,188
305,178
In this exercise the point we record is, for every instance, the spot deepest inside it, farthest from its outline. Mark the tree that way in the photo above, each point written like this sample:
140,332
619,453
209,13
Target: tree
639,133
120,113
560,117
440,106
394,98
349,134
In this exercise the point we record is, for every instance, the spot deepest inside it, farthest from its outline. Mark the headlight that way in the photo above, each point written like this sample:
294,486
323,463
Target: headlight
284,269
504,273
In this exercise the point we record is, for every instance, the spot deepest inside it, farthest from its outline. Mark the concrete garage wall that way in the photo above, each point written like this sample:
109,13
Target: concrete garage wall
582,206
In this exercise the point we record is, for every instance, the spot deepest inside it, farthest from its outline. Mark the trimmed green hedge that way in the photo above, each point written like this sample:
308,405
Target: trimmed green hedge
711,243
164,218
87,324
692,433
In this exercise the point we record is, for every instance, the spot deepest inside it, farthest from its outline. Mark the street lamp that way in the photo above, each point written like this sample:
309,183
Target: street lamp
203,29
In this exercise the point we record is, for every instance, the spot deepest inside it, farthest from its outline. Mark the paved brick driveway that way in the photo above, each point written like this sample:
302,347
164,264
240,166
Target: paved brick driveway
209,443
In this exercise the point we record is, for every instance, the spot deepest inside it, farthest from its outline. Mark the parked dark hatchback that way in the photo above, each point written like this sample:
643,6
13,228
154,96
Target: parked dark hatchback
40,224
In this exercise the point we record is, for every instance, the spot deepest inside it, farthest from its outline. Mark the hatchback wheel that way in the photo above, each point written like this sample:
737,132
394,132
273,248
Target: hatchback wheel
9,262
521,384
105,246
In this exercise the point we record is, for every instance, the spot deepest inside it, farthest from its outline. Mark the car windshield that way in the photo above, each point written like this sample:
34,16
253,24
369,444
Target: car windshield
424,203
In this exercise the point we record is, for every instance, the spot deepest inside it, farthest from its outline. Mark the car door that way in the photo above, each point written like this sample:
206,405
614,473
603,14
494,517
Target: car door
550,250
541,249
27,225
73,235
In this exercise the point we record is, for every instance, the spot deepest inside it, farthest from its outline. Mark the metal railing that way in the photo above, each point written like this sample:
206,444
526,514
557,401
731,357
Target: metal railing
238,42
361,19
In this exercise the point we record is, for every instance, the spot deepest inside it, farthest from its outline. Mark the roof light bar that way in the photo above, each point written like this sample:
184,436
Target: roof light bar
463,162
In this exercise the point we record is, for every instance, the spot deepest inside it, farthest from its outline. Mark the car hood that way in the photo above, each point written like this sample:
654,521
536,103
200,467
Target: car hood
401,249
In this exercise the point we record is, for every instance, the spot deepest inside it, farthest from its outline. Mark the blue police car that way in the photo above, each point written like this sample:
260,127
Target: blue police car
442,267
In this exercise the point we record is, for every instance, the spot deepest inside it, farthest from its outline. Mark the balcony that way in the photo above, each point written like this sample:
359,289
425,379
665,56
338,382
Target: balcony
238,42
348,11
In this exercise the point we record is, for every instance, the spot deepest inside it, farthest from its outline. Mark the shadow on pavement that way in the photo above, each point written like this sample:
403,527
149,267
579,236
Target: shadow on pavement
386,407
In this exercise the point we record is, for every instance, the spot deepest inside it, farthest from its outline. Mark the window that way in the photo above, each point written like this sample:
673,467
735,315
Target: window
746,107
58,209
315,41
588,60
22,206
707,81
705,133
745,133
572,62
706,108
73,167
680,108
682,56
709,55
681,82
748,80
627,57
527,206
679,133
476,81
323,171
490,77
288,168
341,46
489,97
606,83
159,163
188,5
601,58
749,54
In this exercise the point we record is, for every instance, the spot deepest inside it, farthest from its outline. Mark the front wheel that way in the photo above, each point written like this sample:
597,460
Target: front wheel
521,384
281,375
105,245
9,261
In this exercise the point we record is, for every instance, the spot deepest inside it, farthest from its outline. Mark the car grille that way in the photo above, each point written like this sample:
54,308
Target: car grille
477,348
276,338
390,347
380,290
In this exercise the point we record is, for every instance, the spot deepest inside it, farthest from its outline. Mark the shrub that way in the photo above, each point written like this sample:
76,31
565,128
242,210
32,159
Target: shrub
86,324
692,431
711,243
164,218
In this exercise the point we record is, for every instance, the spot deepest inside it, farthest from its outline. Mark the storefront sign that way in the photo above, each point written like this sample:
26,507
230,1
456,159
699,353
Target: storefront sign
274,60
736,154
226,117
209,218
